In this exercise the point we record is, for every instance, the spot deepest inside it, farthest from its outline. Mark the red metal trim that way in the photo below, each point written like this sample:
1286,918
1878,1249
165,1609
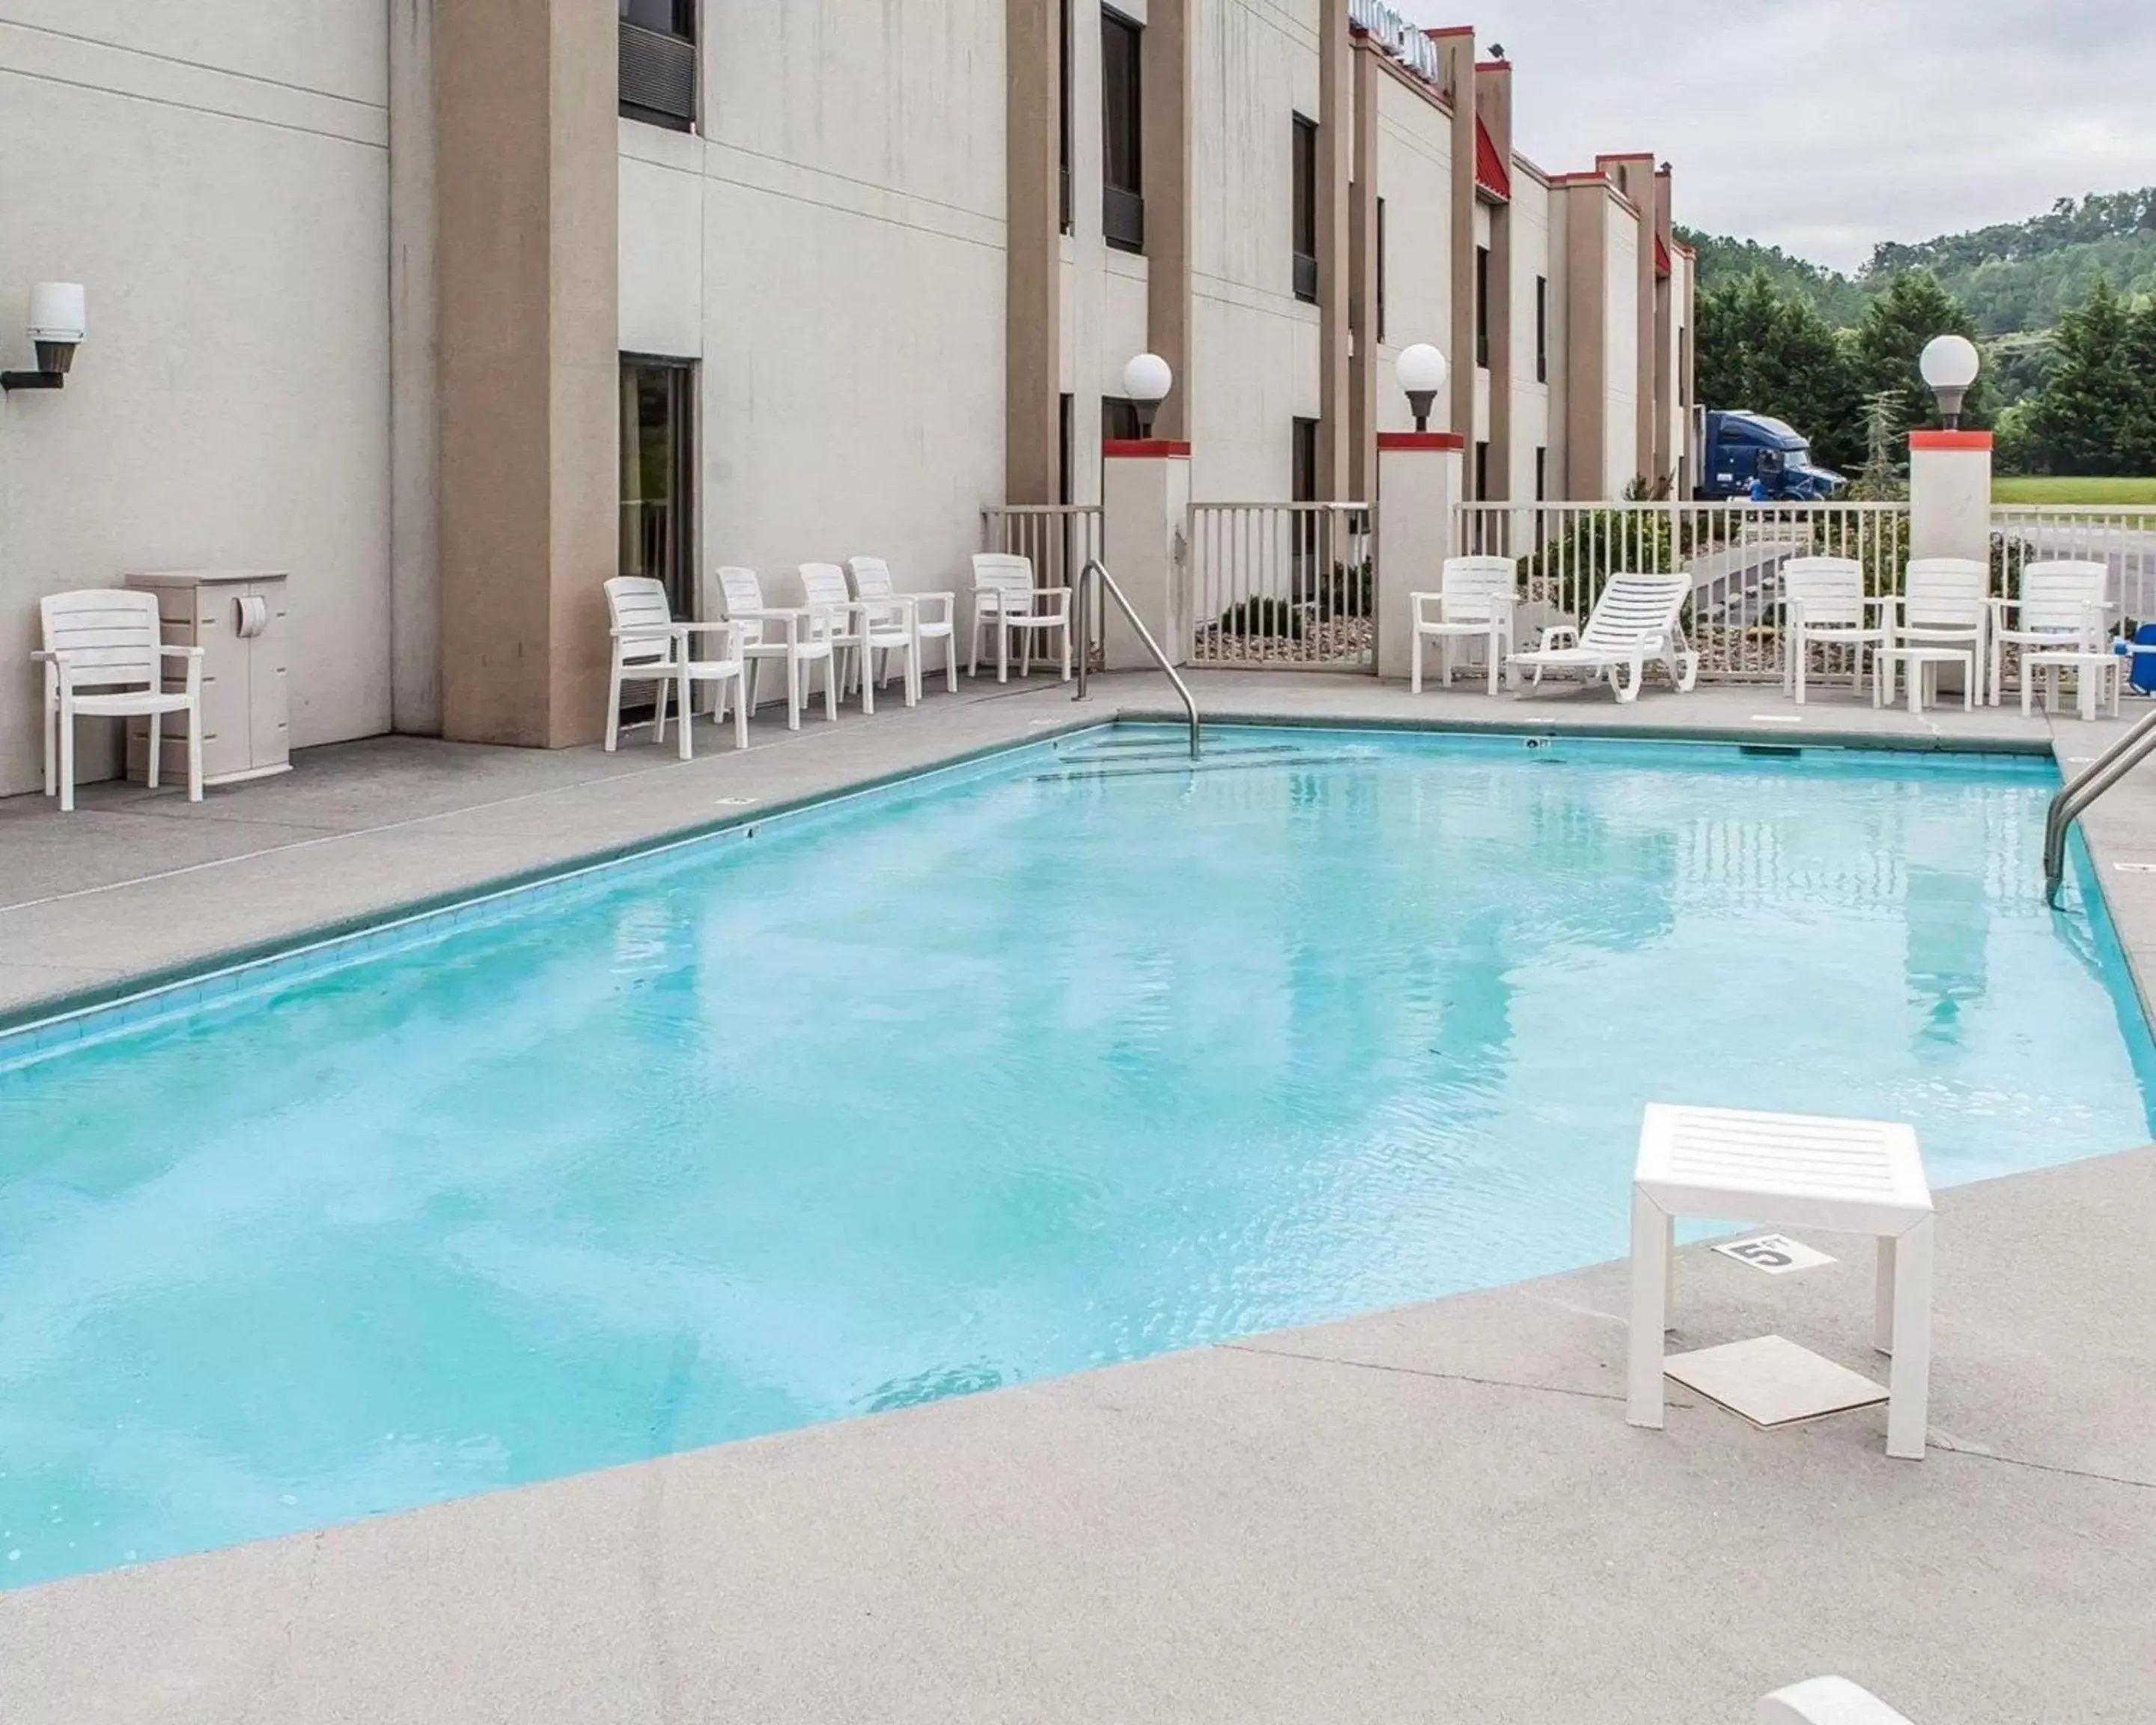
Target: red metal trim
1421,440
1157,447
1493,66
1950,440
1491,173
1442,30
1661,257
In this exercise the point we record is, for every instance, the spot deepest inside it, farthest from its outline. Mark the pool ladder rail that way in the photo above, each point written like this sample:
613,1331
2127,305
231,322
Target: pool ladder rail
1095,575
2110,766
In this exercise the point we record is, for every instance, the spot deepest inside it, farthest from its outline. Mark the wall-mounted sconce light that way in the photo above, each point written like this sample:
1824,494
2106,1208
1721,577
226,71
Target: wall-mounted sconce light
58,322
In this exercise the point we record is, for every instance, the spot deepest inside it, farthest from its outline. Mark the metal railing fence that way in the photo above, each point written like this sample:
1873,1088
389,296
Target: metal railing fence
1283,585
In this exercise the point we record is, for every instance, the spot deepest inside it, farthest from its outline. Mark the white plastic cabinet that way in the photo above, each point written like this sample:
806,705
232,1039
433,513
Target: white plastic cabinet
237,617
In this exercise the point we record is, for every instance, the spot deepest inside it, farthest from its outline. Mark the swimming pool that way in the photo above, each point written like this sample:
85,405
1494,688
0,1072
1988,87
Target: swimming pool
1062,1058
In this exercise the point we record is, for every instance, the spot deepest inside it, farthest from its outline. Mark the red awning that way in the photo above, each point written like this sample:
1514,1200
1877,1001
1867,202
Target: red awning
1491,173
1661,257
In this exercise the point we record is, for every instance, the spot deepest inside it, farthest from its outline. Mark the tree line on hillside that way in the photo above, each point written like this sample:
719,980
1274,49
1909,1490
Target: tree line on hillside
2088,406
2012,278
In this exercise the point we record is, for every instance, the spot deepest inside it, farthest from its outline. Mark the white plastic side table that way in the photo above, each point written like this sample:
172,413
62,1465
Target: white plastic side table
1787,1171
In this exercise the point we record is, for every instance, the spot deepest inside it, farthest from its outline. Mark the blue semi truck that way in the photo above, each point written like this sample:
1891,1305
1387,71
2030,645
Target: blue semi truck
1743,455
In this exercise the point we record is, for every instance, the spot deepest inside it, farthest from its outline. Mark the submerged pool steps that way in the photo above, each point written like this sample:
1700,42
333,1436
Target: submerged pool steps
1134,757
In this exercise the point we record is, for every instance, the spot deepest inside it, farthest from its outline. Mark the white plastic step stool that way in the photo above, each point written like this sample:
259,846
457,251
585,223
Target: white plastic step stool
1786,1171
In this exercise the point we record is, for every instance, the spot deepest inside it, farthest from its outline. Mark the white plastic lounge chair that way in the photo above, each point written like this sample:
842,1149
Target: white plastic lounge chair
932,616
103,657
1005,599
2060,608
1826,1700
1939,619
650,646
1635,621
1823,603
1474,603
798,637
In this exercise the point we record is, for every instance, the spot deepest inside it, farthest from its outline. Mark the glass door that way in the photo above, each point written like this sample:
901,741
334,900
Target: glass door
658,474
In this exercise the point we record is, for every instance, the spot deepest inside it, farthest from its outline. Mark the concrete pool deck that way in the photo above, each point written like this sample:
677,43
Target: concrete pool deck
1433,1513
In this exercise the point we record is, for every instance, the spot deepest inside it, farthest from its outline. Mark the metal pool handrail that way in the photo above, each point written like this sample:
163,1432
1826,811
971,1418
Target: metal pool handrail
1095,570
2110,766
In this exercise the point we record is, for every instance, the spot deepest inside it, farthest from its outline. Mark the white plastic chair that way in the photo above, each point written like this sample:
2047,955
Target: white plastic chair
1826,1700
1939,618
650,646
1823,603
1005,599
799,637
931,616
1474,603
109,642
1635,620
2060,608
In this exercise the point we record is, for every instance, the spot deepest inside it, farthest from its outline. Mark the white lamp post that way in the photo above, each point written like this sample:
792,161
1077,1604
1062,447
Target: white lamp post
58,320
1950,364
1147,381
1422,372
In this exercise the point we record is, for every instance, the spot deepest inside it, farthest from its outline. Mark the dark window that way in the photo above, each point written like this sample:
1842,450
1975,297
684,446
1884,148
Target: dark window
1684,365
659,62
1122,188
658,474
1119,419
1063,111
1381,269
1542,329
1541,475
1066,434
1482,305
1305,210
1481,470
1303,481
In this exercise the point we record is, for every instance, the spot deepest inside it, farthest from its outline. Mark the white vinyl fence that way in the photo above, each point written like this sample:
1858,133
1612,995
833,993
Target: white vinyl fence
1733,552
2123,538
1283,585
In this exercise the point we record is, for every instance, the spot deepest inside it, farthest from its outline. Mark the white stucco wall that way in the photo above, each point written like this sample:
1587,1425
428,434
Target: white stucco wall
1255,345
1531,399
1414,177
1620,389
832,250
216,174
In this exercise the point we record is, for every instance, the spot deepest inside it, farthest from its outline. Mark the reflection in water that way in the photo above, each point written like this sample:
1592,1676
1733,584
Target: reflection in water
1944,915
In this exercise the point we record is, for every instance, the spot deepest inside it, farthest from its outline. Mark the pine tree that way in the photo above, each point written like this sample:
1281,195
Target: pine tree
1896,327
2137,441
2086,420
1766,351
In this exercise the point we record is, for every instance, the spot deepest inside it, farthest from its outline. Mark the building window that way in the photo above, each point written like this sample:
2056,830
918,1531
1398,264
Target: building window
1119,419
1122,189
1481,469
1302,480
1063,112
658,474
1684,366
1306,211
1542,329
1541,475
659,63
1381,269
1482,307
1067,455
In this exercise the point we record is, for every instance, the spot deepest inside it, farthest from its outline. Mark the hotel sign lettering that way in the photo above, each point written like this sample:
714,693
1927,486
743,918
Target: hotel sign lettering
1403,41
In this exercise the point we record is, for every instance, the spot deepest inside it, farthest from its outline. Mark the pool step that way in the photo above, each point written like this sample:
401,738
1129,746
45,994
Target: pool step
1235,761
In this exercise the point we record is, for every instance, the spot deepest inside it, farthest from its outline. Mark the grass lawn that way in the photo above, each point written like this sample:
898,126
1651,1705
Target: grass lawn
2074,491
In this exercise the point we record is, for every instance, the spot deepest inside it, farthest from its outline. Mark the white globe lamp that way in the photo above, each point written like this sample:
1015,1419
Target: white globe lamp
1422,372
1147,381
1949,366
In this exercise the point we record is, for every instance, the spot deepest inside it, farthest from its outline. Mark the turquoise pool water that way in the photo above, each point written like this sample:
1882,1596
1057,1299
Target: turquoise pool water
1053,1061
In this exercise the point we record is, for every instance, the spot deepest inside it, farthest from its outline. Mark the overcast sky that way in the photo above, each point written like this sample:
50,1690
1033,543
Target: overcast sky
1823,126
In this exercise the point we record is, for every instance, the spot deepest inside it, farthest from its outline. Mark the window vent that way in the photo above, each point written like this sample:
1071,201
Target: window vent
658,77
